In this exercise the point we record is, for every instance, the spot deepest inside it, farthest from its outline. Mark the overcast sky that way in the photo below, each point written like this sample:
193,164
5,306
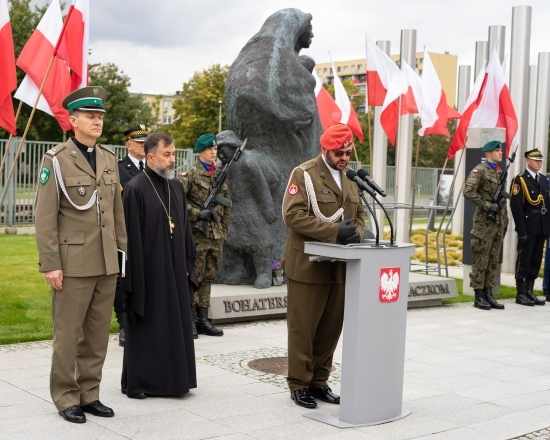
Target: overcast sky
160,44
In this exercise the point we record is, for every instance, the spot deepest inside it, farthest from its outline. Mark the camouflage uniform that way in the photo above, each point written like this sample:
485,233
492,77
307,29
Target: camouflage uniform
198,183
487,235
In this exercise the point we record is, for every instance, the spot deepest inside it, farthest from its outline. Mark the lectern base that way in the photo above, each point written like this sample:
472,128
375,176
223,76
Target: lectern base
334,421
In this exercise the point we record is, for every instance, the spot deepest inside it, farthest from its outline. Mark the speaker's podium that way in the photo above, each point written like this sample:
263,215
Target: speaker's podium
375,318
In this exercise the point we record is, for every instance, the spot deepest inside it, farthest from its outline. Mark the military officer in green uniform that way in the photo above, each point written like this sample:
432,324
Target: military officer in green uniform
197,183
320,204
79,226
490,223
529,204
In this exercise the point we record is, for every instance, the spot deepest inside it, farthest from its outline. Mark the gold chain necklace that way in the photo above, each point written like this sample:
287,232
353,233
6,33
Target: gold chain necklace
167,211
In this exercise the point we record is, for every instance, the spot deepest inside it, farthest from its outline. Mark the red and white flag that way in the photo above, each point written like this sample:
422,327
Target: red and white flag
389,116
381,71
8,77
349,117
411,102
434,113
495,108
459,138
34,60
73,46
329,113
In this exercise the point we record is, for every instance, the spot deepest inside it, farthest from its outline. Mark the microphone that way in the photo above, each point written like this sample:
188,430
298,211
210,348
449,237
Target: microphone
352,175
365,176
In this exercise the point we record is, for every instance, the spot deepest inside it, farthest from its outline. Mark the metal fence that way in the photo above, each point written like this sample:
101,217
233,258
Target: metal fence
18,206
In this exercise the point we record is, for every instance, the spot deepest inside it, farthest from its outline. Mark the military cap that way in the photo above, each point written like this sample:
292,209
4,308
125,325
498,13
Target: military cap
534,154
205,141
336,137
492,145
137,133
89,99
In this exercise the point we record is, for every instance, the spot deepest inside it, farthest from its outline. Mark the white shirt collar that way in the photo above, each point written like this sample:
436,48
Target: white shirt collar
136,161
533,174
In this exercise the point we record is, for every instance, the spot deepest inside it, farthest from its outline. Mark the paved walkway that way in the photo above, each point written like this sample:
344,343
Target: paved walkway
469,374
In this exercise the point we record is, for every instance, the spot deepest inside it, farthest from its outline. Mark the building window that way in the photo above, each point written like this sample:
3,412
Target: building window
359,67
167,120
345,68
339,69
325,70
167,103
319,71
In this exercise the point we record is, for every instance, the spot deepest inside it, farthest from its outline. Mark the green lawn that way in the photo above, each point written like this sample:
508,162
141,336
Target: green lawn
25,298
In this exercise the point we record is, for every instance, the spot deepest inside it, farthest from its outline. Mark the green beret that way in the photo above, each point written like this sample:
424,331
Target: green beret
205,141
492,145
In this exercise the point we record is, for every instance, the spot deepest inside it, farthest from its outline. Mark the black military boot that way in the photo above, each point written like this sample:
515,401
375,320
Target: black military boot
120,317
488,292
521,297
531,295
480,302
204,326
193,323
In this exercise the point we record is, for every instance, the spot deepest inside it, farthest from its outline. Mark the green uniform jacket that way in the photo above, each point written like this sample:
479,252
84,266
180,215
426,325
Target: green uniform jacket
81,243
198,183
480,188
305,226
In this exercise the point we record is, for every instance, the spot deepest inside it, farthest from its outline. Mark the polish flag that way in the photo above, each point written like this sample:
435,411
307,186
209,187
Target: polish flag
411,102
389,116
35,59
349,117
329,113
459,139
8,78
73,45
434,113
381,71
495,108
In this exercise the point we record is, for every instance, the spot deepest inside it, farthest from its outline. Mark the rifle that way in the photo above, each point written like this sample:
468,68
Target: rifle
499,193
214,197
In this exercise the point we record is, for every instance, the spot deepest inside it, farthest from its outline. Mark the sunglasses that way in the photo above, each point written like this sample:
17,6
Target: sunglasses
342,153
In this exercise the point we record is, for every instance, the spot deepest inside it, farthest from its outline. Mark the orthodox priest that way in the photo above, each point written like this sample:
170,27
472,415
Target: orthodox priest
159,355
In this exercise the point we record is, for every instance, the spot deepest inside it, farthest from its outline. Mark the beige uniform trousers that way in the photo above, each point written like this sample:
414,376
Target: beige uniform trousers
81,314
315,316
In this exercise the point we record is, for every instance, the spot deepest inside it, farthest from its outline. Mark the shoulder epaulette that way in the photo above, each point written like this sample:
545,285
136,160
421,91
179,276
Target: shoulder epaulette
307,165
53,151
121,160
106,149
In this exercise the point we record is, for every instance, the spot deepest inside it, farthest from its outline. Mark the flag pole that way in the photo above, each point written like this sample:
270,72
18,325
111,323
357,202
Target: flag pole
9,140
369,134
414,183
24,137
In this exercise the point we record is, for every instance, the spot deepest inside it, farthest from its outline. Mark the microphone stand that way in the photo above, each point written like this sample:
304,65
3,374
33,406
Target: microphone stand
392,244
362,195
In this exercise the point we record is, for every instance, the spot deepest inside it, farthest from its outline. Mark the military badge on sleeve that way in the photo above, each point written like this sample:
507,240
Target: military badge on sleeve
44,175
293,189
515,189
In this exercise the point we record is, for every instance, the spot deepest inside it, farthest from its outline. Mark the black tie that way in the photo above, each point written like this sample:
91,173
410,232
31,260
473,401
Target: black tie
141,165
91,159
536,177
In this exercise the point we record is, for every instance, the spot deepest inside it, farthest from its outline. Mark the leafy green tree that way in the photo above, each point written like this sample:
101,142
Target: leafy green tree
122,109
197,112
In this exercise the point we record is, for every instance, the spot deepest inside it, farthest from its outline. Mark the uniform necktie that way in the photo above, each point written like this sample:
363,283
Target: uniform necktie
141,165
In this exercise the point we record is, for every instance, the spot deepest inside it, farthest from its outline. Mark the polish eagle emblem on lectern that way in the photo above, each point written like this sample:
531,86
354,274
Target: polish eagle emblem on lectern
389,284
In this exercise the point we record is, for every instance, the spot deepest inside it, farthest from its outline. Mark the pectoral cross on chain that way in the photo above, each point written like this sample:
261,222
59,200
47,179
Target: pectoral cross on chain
172,225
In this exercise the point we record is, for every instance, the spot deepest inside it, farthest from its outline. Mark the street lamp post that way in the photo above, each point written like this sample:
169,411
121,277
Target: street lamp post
220,102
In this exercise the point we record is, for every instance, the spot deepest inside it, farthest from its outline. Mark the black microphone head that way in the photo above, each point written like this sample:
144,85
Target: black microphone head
350,174
362,173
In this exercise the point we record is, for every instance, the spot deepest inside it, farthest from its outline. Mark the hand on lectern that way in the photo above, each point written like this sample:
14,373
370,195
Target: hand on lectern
355,238
346,230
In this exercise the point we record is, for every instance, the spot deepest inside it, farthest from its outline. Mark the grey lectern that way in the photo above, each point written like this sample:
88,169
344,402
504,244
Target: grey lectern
375,318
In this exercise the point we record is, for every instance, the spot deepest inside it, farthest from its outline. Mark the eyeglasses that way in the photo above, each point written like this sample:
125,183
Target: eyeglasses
341,153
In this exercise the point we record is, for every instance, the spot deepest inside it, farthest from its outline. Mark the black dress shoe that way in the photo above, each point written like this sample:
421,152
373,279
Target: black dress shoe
524,300
303,397
325,394
73,414
98,409
138,396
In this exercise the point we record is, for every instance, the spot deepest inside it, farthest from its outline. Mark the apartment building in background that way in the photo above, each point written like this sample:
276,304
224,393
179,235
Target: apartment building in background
445,64
165,105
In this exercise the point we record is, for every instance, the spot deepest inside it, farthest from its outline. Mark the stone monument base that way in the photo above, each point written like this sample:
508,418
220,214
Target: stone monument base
245,303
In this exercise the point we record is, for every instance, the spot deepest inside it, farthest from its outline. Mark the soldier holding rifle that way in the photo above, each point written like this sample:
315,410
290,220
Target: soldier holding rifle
209,226
483,188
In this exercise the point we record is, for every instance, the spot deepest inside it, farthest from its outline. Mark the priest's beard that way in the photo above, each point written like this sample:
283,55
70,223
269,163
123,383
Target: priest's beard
168,172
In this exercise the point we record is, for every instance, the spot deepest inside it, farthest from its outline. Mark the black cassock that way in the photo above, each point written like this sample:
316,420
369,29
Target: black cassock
159,355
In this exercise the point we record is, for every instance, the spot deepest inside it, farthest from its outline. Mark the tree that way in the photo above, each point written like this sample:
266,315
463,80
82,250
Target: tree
122,109
196,112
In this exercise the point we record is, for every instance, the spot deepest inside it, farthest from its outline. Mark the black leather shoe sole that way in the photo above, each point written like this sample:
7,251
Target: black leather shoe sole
73,415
